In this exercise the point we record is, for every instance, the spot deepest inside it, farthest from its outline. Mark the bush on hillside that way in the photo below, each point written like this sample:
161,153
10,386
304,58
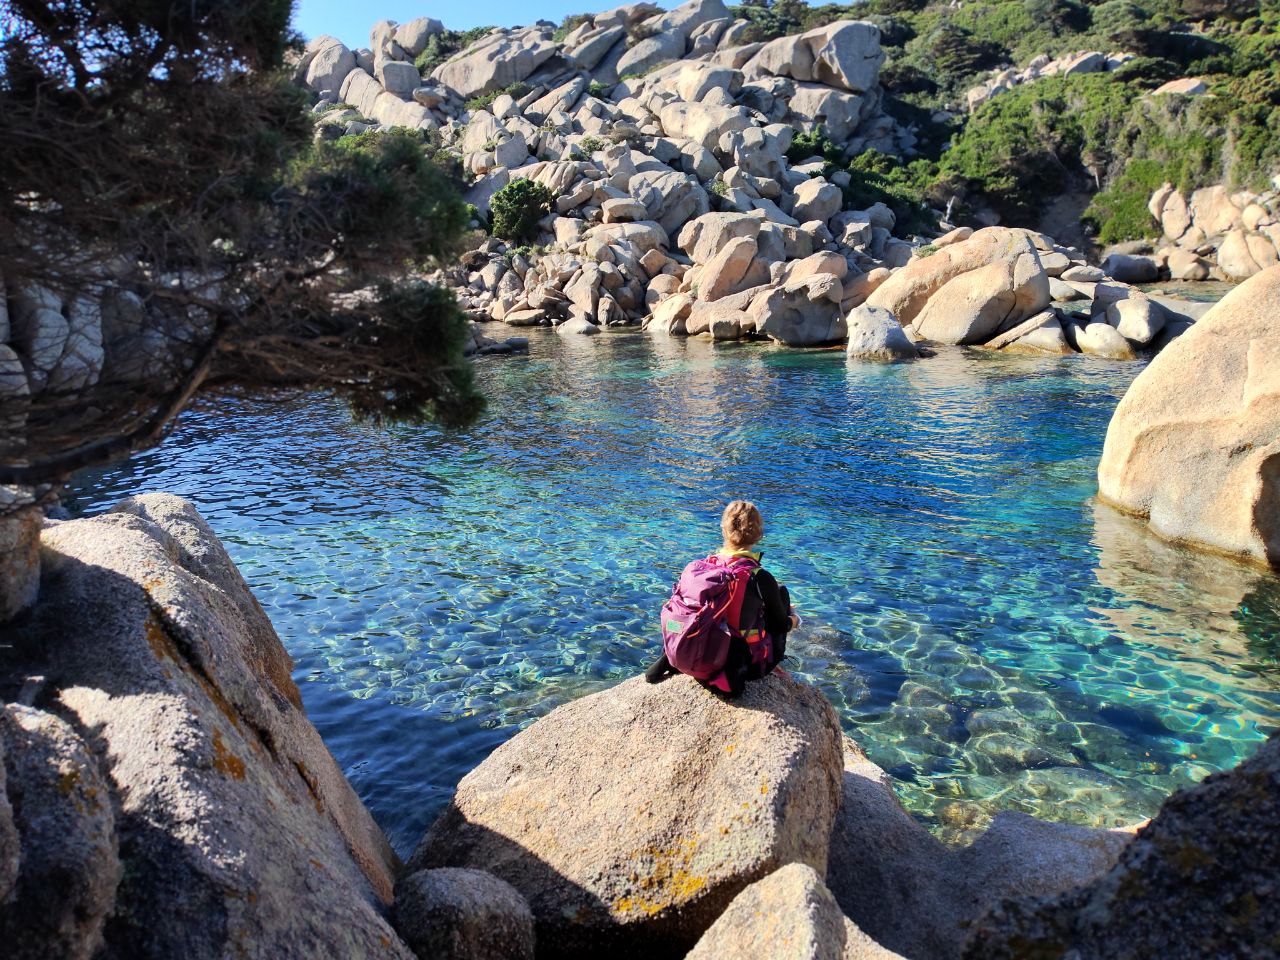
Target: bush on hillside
875,177
958,56
1120,212
814,143
770,19
569,24
484,100
517,208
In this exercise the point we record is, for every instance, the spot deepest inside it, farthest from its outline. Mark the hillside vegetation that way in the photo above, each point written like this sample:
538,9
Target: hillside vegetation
1095,131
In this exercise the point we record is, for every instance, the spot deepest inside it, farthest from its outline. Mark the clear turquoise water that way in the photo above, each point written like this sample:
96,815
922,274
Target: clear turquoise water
991,637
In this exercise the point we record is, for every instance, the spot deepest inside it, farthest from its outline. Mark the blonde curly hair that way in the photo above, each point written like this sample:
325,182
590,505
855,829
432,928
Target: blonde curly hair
741,525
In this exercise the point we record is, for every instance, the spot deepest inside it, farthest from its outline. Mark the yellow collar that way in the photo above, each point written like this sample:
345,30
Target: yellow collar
734,554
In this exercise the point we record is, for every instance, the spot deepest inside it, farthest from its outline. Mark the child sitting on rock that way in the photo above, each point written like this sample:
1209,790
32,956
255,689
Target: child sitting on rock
727,619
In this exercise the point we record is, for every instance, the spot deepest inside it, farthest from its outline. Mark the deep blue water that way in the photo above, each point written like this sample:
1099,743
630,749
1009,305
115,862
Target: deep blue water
992,638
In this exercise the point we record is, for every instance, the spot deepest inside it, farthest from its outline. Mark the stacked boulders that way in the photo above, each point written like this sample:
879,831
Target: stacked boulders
665,143
1017,291
631,163
1215,233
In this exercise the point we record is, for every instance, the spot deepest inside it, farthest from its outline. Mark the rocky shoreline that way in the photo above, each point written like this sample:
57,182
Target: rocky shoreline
164,795
678,200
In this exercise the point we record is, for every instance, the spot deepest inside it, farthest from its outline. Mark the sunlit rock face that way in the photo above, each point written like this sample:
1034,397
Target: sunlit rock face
1194,445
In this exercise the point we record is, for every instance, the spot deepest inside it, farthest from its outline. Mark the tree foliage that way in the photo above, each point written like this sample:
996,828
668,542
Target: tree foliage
160,170
517,208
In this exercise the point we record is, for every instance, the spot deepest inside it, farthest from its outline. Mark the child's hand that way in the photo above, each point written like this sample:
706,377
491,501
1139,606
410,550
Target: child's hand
795,621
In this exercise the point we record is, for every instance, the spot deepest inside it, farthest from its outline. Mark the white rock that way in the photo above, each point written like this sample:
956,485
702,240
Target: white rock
875,334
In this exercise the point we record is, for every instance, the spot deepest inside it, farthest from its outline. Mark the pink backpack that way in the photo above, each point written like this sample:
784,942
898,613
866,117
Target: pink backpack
703,614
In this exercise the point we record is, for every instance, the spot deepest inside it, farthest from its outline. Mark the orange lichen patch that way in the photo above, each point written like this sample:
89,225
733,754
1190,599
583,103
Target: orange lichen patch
159,641
67,781
668,882
164,646
224,761
1191,858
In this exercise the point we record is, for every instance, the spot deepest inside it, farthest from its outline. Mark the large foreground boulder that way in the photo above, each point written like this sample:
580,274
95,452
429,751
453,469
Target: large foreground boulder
631,818
59,867
789,915
967,292
1194,446
914,895
1199,881
235,831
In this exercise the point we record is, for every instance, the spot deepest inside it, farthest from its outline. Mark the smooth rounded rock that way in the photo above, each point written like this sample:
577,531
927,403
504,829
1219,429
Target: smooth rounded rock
875,334
630,819
456,914
789,915
1193,446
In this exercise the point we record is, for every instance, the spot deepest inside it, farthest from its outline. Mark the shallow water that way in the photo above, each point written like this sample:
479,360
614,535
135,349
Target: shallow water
991,637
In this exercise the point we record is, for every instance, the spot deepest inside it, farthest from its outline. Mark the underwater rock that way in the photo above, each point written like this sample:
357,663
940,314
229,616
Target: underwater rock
1199,880
631,818
914,895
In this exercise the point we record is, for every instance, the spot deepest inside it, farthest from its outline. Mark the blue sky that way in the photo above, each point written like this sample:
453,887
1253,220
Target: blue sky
350,22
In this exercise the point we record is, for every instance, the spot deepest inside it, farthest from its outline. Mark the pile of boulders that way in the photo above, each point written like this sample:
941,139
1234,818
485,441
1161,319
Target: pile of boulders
1016,291
664,143
1212,234
1071,64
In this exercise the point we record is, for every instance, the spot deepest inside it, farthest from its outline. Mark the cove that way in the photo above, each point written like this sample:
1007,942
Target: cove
991,637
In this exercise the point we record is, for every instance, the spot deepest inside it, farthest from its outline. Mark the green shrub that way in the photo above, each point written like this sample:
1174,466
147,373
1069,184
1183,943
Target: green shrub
1120,212
484,100
876,177
517,208
958,56
591,144
598,89
814,143
770,19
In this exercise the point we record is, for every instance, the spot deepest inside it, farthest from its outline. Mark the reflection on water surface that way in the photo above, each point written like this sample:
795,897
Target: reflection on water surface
992,638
